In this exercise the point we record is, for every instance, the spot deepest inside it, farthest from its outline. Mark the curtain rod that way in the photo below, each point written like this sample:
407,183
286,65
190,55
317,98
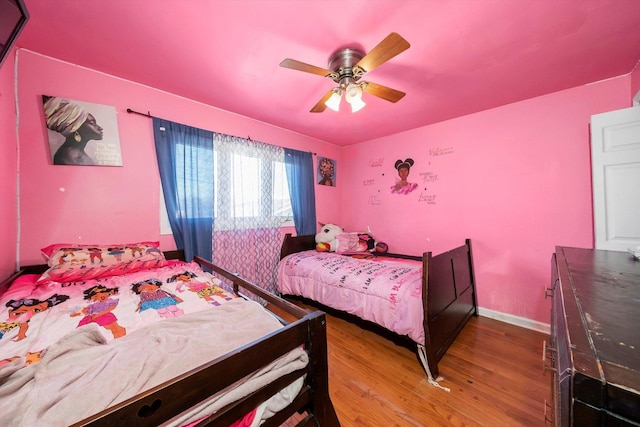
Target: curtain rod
130,111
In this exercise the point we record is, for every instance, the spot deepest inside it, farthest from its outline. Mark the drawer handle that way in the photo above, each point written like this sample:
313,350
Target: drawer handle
547,420
545,356
548,292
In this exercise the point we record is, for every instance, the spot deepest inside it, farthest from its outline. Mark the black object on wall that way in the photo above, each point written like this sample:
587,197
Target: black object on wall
13,18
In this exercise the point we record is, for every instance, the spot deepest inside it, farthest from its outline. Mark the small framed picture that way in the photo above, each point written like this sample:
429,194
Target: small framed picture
326,171
81,133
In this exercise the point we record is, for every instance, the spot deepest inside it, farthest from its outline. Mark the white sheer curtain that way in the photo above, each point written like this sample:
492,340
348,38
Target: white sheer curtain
249,180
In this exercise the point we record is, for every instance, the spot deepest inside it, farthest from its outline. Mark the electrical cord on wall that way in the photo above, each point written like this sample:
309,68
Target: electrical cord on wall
15,92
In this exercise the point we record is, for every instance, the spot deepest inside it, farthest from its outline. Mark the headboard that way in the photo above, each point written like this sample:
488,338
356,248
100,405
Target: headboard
292,244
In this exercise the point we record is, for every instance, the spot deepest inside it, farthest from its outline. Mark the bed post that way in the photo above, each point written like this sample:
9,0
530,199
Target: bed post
473,278
430,365
322,408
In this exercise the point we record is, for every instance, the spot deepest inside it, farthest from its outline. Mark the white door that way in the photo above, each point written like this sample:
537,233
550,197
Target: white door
615,159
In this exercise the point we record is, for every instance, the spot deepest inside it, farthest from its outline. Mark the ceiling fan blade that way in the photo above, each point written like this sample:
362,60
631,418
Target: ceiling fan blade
391,46
321,106
301,66
383,92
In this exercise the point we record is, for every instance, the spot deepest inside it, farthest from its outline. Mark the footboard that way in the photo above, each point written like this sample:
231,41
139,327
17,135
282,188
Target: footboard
448,293
449,300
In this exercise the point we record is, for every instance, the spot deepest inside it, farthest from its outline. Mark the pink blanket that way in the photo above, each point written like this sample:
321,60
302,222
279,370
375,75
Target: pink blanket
385,291
62,343
33,317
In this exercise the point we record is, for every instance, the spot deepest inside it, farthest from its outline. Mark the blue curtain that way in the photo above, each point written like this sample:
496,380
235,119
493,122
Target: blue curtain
185,160
300,178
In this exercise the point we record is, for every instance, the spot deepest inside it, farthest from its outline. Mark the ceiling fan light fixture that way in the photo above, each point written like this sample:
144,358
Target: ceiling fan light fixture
347,66
353,91
353,95
357,104
334,101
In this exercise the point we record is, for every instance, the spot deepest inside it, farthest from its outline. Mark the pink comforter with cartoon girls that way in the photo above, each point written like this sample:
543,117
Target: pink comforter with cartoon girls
54,335
385,291
34,316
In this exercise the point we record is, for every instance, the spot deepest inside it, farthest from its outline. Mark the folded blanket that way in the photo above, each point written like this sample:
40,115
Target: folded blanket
85,373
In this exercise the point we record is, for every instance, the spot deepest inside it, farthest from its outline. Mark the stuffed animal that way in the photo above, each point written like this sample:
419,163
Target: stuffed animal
332,238
326,237
366,242
369,244
381,247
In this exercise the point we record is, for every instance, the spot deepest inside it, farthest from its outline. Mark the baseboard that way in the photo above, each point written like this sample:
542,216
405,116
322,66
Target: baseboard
515,320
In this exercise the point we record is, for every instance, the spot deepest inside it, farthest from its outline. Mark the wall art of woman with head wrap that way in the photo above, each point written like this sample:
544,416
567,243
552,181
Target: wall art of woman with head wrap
402,186
76,125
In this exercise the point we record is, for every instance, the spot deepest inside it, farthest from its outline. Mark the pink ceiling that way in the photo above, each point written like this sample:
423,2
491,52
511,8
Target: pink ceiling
465,55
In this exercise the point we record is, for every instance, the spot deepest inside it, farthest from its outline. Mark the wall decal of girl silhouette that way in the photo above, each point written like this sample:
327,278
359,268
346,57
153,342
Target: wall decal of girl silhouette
402,186
100,309
152,297
22,310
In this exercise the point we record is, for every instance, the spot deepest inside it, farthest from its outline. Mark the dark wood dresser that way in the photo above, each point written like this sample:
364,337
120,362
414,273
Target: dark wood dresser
595,338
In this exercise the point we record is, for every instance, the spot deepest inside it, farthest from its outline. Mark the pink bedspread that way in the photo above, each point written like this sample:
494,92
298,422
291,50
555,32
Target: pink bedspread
118,304
54,336
385,291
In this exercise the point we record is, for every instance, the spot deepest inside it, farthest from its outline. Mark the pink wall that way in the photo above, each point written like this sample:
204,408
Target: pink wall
7,169
514,179
89,204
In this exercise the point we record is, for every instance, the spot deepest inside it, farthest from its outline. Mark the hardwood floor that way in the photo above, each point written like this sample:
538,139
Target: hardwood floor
493,371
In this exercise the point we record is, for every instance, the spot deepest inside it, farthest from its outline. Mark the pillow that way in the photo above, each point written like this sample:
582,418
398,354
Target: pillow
71,263
348,242
355,242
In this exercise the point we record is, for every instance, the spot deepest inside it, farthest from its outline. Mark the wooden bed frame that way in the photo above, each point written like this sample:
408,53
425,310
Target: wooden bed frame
448,293
175,396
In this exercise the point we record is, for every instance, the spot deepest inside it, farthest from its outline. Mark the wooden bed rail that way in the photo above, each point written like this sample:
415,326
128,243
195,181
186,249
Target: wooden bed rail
179,394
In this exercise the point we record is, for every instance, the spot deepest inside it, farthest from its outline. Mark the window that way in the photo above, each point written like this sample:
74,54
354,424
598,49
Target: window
281,199
248,189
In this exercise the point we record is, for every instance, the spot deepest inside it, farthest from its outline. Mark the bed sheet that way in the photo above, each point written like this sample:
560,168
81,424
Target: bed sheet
386,291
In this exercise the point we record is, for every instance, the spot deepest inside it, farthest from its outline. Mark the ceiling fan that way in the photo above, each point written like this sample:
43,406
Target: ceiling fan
347,67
